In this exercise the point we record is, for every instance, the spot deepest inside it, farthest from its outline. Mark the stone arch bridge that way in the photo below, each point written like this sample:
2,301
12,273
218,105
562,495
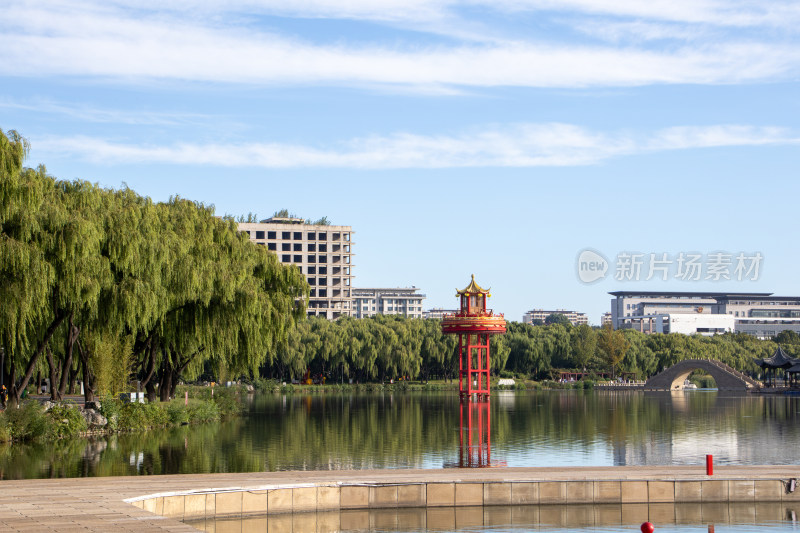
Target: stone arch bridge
727,378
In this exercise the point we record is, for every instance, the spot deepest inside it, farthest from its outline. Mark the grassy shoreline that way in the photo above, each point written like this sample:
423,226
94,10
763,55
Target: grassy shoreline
34,421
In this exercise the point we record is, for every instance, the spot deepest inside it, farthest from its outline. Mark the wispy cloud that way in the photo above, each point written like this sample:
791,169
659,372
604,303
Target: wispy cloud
107,41
90,113
521,145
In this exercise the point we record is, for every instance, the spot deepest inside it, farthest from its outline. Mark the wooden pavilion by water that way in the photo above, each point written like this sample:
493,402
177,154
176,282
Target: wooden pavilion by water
780,360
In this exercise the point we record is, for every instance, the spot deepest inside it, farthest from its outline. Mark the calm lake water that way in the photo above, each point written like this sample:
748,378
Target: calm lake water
425,430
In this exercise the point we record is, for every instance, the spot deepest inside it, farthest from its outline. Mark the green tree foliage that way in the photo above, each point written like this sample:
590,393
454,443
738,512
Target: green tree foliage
556,318
583,341
130,286
613,346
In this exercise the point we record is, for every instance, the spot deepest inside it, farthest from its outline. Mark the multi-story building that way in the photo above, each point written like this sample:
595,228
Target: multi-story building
605,318
574,317
438,313
759,314
400,301
323,253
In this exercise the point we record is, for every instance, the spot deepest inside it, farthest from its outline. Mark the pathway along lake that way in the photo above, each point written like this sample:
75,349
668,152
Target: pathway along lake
421,430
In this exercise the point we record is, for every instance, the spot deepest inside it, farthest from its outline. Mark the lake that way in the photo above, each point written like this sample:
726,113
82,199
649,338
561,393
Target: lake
429,430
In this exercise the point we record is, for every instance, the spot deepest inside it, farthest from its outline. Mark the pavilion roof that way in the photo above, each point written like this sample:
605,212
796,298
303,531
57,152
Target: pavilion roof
778,360
473,288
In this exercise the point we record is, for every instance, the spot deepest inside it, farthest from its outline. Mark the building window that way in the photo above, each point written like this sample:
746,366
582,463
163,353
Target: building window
312,281
336,236
323,293
298,247
347,248
323,247
312,247
347,282
312,270
259,235
286,258
347,236
312,259
298,235
346,271
347,259
313,293
323,259
286,235
322,236
298,258
272,246
270,235
323,270
286,247
322,282
312,235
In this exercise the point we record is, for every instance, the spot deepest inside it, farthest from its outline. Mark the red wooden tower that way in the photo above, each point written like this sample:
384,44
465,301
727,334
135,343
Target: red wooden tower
474,324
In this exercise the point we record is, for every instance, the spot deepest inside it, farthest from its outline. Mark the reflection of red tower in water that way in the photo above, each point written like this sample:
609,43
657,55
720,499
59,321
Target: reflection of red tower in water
474,324
475,434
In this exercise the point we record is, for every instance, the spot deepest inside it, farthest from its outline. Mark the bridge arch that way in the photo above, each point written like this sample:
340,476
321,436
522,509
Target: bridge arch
727,378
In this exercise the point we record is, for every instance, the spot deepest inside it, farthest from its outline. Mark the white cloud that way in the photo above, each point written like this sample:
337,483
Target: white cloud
89,113
521,145
103,42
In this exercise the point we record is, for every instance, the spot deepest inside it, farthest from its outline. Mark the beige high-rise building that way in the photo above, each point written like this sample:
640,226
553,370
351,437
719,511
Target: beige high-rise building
323,253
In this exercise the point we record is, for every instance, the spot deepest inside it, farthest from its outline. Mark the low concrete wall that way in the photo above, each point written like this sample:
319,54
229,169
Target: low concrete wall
277,499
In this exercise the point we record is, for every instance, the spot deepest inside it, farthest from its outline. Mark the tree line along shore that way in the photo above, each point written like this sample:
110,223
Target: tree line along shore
108,287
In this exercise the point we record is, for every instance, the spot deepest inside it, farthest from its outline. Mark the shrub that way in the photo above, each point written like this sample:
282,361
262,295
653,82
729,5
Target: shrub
65,421
204,412
5,428
266,385
110,408
29,422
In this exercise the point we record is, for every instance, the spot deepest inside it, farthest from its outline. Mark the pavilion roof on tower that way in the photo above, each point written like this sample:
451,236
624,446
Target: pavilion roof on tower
473,288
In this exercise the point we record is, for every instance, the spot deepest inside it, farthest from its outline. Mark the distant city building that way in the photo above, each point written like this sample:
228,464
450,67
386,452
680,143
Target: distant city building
400,301
759,314
574,317
438,313
323,253
605,318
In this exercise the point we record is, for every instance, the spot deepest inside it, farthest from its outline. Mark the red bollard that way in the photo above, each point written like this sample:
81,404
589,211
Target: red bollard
647,527
709,465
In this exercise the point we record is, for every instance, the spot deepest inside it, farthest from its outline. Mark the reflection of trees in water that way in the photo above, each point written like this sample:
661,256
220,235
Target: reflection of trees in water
404,429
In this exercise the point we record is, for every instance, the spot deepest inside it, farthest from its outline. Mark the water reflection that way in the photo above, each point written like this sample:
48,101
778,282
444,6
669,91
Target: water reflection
428,430
608,517
474,435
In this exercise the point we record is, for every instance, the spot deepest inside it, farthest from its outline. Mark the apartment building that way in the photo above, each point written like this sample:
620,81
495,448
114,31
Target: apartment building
322,252
605,318
574,317
760,314
375,301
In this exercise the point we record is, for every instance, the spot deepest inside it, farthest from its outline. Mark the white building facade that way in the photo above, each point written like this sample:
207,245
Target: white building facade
376,301
761,315
574,317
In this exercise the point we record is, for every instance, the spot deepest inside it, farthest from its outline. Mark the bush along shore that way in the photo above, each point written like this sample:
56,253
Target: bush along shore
47,421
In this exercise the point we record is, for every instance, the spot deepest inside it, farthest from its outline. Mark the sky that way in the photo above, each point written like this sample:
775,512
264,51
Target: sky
499,138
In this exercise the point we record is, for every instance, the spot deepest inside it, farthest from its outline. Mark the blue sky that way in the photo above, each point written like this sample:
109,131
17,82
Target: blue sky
498,137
